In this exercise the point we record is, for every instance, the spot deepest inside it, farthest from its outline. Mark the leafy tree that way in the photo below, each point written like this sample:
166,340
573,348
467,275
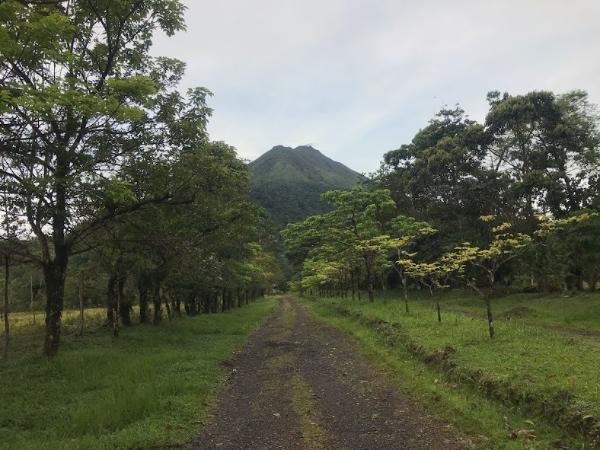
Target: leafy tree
358,221
546,144
535,153
574,241
80,100
355,230
482,264
433,276
440,177
406,231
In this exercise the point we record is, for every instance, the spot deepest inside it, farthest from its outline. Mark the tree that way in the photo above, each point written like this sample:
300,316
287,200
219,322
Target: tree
573,241
433,275
81,99
358,221
482,264
440,176
355,230
546,144
406,230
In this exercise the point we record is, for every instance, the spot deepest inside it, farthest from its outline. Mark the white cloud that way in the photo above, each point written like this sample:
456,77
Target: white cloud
356,78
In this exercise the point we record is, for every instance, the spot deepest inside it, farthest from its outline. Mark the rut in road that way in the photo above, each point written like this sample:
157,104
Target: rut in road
299,384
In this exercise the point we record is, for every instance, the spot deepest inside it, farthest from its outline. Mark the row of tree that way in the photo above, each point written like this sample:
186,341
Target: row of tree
106,168
469,204
363,242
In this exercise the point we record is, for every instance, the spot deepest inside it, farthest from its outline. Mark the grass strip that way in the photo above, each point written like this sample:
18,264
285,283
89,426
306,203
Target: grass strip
435,378
147,388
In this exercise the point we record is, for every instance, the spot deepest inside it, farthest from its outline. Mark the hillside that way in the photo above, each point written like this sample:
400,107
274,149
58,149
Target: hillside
288,182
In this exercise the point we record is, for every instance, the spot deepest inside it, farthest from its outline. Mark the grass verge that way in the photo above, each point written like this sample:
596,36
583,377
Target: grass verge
147,388
411,349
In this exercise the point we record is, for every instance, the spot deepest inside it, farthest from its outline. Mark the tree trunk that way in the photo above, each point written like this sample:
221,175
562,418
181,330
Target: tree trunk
370,283
31,297
54,275
143,293
168,308
177,306
156,301
116,312
370,292
81,306
405,292
214,300
437,304
490,318
6,322
111,298
225,305
124,301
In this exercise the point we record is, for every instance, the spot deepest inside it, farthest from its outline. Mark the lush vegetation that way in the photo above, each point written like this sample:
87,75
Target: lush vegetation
508,206
523,390
288,182
110,184
119,215
149,388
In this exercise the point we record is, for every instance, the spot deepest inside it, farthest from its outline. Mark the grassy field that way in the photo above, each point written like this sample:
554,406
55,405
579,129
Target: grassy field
147,388
576,312
530,368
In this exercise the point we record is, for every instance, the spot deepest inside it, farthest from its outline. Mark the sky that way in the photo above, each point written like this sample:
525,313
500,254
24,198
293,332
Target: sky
357,78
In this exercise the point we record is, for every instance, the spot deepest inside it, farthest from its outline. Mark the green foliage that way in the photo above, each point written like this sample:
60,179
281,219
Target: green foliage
355,238
483,380
535,154
440,177
104,153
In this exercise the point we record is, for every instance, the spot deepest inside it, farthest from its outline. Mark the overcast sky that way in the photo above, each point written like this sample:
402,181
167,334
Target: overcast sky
356,78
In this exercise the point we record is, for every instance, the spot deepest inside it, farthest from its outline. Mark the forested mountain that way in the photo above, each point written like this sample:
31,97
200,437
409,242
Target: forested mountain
288,182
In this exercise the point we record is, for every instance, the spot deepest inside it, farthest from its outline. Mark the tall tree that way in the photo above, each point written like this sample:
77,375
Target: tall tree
81,98
440,177
547,145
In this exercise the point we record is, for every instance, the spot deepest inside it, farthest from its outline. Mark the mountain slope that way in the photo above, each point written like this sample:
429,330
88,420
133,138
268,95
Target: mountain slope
288,182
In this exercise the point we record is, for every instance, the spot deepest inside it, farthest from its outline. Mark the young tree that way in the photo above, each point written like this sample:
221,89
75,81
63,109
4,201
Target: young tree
482,264
406,231
431,275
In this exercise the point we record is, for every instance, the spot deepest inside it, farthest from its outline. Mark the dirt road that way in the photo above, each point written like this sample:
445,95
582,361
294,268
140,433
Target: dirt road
299,384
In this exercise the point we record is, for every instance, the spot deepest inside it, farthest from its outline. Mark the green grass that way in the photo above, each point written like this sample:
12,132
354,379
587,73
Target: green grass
580,311
147,388
525,355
